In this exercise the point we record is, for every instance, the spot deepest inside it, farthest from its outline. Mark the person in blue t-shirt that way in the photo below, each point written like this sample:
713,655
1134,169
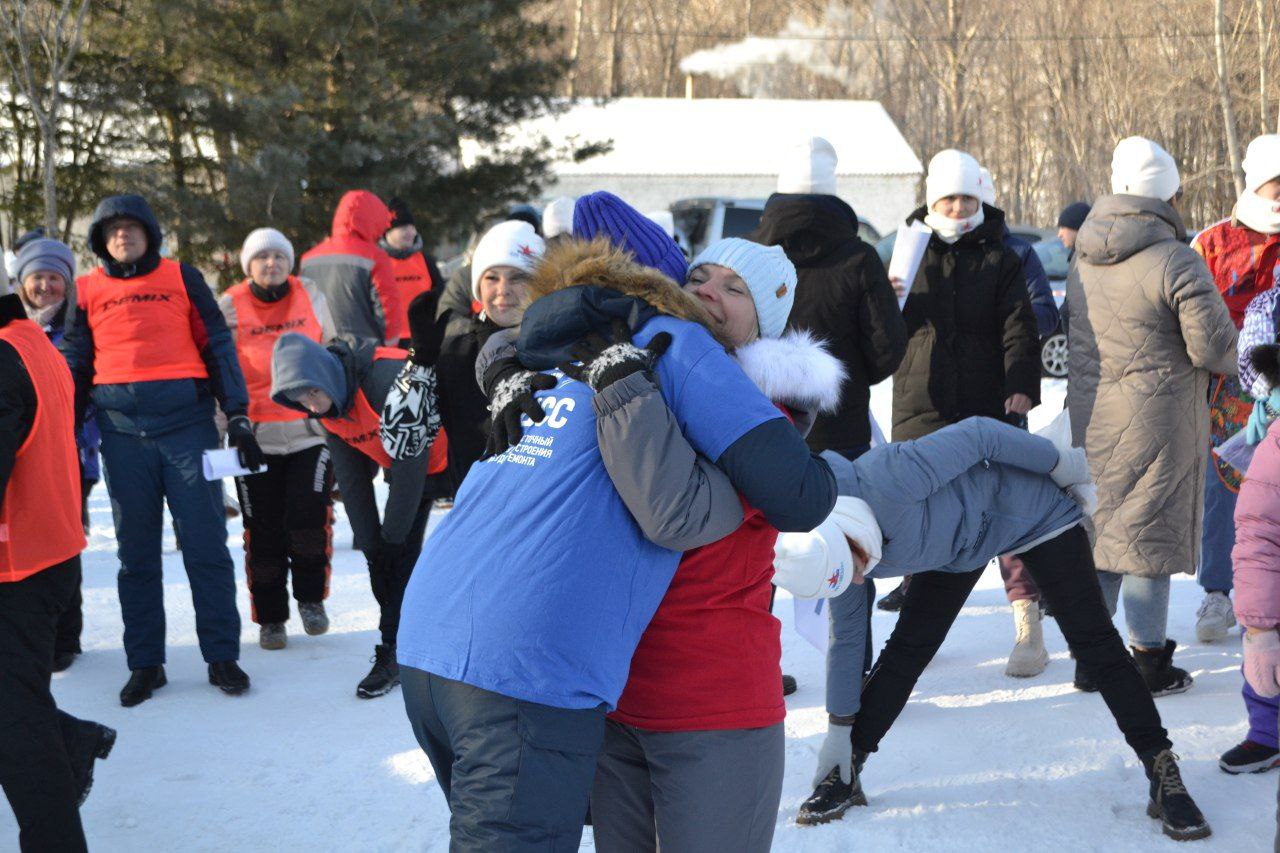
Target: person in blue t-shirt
521,617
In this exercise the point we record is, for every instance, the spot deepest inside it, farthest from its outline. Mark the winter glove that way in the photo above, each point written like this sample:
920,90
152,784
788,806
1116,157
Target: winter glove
384,559
1262,662
1086,495
426,332
604,363
410,414
1264,412
1072,468
836,751
240,436
510,389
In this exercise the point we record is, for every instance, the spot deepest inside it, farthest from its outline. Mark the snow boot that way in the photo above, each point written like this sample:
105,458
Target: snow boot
893,601
1215,618
94,741
62,661
832,798
384,676
1028,657
141,684
272,636
789,685
1162,677
314,620
1249,757
1169,802
228,677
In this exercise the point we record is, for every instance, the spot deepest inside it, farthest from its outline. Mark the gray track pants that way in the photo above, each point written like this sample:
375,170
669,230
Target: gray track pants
690,792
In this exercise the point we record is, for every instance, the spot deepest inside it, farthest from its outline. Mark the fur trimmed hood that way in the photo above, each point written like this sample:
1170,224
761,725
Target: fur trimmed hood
794,370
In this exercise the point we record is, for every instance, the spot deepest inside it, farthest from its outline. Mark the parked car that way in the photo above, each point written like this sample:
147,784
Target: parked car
1057,261
702,221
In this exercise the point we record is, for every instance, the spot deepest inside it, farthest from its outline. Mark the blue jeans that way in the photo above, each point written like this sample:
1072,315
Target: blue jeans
1218,536
1146,606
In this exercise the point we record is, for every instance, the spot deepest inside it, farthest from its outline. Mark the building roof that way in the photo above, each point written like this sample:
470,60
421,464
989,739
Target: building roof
718,136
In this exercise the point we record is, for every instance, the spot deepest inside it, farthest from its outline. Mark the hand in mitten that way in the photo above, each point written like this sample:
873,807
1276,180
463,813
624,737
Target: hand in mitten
1072,468
240,436
510,388
1262,662
426,331
384,559
836,751
410,415
604,363
1264,412
1086,495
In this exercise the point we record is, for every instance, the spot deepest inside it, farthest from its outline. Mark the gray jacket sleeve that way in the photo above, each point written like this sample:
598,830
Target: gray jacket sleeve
680,500
500,345
353,471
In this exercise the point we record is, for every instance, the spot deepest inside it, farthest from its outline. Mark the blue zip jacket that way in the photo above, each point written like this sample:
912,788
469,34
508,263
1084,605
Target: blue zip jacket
1038,287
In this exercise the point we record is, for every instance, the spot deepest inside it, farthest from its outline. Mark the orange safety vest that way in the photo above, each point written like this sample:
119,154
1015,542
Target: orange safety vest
361,427
141,326
412,277
258,325
40,519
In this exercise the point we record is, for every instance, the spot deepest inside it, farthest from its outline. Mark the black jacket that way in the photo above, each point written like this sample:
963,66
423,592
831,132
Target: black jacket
464,410
844,298
973,340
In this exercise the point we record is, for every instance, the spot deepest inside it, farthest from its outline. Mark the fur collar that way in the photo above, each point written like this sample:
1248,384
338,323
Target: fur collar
794,370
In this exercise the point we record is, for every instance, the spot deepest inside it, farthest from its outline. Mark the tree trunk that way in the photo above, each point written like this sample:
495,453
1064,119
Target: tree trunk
575,46
614,83
1224,95
50,139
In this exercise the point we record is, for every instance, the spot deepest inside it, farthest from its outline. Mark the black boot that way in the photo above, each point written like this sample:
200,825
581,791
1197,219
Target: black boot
384,676
94,741
893,601
1170,803
1158,671
832,798
141,684
228,677
62,661
789,685
1083,681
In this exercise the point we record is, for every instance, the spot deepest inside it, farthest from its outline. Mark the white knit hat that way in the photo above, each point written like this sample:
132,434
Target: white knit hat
820,563
810,168
557,217
988,187
1141,167
952,172
1262,161
262,240
513,243
768,274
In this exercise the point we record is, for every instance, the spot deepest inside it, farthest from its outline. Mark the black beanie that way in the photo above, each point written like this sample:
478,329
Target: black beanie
1073,215
400,213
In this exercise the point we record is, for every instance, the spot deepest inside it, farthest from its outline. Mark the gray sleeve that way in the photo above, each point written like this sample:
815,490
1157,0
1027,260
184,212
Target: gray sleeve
842,468
846,650
500,345
351,468
680,500
457,293
408,479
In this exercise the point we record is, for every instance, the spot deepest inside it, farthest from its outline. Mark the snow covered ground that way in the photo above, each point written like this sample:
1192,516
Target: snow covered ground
977,761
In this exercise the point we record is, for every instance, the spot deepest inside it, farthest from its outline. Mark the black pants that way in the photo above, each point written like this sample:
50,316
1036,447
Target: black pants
35,737
288,528
388,583
1063,568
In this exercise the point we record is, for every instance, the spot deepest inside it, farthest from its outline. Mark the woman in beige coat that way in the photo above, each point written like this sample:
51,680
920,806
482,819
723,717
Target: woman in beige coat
1147,327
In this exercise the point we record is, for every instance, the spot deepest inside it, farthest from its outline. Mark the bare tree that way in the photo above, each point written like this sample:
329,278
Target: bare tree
1224,94
55,30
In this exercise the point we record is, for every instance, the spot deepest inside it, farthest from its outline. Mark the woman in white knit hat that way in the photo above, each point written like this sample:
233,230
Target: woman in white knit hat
288,506
693,754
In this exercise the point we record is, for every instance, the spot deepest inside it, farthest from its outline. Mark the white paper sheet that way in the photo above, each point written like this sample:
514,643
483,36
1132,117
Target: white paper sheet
225,463
908,252
811,621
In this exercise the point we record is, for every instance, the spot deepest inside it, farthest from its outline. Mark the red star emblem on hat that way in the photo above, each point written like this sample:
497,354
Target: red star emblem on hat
525,250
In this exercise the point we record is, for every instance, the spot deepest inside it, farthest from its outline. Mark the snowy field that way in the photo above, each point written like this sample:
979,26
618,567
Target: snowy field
977,761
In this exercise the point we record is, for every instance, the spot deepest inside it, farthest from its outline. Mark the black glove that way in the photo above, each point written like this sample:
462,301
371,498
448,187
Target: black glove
426,331
385,559
510,388
240,436
604,363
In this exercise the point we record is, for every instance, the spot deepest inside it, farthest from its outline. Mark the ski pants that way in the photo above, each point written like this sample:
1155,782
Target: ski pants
143,472
686,792
1063,568
1218,535
288,529
517,775
35,737
1263,712
389,581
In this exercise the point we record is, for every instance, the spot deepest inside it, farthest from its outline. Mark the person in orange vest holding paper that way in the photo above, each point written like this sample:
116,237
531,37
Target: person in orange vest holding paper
414,269
149,341
288,509
345,385
46,755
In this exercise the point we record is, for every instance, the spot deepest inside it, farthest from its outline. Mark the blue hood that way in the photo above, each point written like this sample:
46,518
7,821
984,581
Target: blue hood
297,363
135,207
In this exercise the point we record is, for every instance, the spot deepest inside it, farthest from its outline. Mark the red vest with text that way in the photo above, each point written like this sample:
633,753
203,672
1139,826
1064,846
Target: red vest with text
412,277
141,326
258,325
40,518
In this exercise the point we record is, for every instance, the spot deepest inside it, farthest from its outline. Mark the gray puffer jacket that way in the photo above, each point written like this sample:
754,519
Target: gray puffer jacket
1148,326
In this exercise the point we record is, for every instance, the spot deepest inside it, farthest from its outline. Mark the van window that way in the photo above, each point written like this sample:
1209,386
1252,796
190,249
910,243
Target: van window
740,221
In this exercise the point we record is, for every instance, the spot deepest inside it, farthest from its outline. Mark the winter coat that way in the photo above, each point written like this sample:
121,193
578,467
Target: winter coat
1243,263
844,298
1255,559
1038,288
953,500
355,275
154,407
404,263
464,410
17,395
1147,327
972,333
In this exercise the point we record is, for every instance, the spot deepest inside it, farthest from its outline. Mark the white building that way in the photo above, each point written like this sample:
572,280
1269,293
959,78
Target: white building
666,149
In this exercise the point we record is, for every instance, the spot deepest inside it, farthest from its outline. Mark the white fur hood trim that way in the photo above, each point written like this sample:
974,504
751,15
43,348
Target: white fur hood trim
794,370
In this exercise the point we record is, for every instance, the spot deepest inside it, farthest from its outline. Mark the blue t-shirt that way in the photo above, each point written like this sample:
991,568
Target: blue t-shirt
539,583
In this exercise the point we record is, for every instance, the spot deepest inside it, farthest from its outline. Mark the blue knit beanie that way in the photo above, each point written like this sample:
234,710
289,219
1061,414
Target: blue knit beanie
45,255
768,274
603,214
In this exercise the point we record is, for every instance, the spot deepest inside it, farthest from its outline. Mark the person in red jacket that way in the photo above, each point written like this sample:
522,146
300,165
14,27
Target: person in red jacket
412,266
46,755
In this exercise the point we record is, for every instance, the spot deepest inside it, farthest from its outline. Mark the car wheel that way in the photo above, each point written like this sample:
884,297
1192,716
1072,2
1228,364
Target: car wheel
1053,355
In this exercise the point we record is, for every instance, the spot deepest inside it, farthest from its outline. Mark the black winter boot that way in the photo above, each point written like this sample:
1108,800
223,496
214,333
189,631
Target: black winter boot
94,741
1162,677
893,601
62,661
789,685
1170,803
832,798
228,677
141,684
1083,681
384,676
